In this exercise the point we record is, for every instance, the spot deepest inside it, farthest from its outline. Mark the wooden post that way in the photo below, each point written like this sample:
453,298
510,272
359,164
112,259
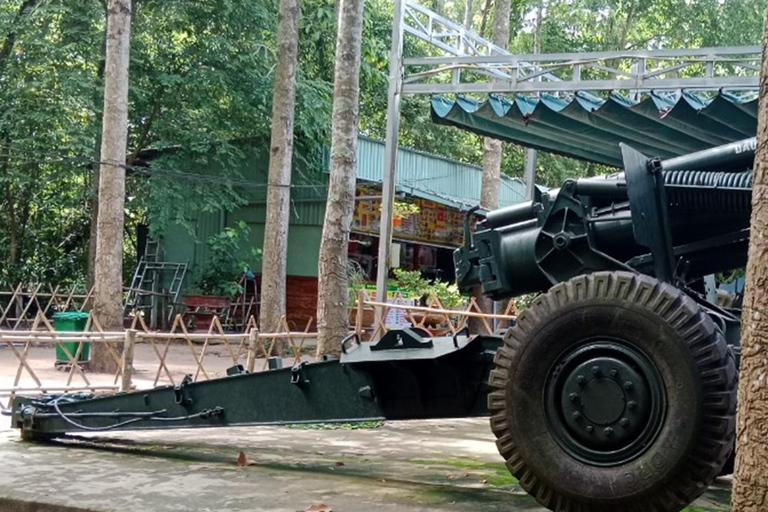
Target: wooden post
126,372
253,343
360,311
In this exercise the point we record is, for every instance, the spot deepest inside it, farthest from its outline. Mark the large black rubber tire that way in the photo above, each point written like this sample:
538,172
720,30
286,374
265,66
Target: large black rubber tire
691,359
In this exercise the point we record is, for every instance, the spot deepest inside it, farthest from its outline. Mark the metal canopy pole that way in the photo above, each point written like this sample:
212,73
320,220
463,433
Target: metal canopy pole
390,153
530,172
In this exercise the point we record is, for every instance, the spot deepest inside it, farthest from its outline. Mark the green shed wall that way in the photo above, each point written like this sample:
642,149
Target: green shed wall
306,215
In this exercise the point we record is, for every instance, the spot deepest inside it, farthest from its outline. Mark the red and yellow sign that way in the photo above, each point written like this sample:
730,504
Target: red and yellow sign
435,222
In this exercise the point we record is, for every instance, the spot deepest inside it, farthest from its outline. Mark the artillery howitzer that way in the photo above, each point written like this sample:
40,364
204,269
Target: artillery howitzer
615,391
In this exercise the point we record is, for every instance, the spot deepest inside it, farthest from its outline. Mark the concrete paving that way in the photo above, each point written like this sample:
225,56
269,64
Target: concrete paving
415,466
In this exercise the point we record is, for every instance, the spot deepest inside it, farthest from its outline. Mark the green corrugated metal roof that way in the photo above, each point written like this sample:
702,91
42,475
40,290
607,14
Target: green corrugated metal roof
590,129
433,177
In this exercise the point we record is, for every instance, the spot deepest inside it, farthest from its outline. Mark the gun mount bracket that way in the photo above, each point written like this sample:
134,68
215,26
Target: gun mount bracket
402,339
181,392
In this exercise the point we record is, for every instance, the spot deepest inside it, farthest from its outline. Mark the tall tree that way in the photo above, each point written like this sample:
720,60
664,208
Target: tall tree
492,148
280,162
333,298
468,13
750,485
108,271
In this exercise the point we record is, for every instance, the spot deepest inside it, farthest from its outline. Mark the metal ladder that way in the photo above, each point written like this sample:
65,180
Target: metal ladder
143,294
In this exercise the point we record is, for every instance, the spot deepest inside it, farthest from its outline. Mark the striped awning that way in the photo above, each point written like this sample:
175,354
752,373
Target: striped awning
589,128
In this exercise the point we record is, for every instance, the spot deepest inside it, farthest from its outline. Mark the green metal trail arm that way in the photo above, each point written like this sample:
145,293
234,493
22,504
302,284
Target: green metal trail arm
324,392
451,384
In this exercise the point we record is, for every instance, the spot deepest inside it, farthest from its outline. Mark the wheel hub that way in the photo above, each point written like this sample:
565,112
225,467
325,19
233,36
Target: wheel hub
605,402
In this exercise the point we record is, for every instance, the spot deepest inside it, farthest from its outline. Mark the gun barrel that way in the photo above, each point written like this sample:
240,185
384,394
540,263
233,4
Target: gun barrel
736,156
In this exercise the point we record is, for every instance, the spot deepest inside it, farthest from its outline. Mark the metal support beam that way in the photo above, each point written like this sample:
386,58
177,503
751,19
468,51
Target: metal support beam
634,71
740,83
530,173
390,153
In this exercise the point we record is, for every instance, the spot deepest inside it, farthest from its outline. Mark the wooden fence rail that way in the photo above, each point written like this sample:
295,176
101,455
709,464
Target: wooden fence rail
433,317
21,305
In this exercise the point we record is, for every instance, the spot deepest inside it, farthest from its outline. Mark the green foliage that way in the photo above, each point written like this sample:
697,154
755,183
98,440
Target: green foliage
420,288
223,270
201,90
524,301
201,79
356,278
404,209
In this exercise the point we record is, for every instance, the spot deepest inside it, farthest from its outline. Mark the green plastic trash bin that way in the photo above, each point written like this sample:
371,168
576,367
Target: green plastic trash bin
71,321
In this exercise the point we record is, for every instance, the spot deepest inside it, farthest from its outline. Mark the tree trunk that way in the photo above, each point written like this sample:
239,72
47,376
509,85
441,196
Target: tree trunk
484,17
750,484
10,39
93,207
332,295
281,153
492,150
468,7
93,200
108,268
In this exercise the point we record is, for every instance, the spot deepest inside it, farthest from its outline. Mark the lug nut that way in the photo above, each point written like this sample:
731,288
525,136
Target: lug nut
581,380
624,422
590,428
576,415
628,385
608,431
614,373
632,404
573,397
596,370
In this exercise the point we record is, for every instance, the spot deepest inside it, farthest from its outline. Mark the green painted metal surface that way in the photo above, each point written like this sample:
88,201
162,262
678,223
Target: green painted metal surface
590,130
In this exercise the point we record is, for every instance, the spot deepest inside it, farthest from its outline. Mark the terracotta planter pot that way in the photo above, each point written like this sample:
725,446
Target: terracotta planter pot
206,301
430,319
203,308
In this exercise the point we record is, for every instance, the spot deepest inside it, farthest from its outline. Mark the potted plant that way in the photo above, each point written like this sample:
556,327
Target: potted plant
402,210
423,289
218,281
